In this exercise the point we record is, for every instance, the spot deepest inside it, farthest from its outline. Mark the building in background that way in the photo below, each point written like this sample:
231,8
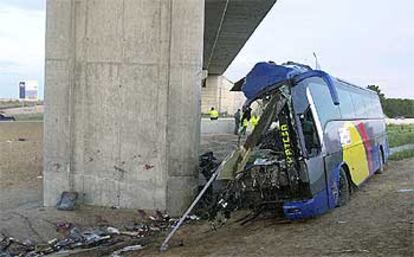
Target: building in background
29,90
215,92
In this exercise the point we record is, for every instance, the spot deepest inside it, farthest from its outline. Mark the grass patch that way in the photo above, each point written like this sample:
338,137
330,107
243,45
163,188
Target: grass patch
402,155
29,117
17,104
400,134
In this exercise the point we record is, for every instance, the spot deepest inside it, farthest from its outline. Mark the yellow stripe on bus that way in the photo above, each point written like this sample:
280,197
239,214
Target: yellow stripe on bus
354,155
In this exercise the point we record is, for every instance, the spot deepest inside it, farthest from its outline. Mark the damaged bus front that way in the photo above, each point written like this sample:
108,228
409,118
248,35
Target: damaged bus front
316,139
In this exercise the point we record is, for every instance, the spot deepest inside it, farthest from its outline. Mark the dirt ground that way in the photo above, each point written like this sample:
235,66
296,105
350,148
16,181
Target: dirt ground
378,221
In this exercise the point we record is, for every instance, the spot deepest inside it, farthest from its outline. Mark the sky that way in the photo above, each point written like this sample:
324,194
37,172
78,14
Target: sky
22,40
364,42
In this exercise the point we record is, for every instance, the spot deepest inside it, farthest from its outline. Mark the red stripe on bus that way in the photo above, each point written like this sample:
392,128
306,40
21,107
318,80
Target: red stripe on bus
368,147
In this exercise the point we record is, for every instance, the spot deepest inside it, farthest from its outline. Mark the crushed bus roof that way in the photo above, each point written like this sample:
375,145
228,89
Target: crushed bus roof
267,76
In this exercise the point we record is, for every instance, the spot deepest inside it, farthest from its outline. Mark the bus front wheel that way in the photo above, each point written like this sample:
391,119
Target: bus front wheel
343,188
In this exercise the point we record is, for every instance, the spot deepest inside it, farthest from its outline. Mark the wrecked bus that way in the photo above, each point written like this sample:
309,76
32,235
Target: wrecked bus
318,138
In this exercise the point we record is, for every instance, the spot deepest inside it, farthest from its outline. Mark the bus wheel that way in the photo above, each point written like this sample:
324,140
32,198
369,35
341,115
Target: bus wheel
343,188
381,167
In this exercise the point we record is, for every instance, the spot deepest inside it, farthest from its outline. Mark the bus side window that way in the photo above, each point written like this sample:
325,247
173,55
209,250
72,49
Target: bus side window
309,132
346,105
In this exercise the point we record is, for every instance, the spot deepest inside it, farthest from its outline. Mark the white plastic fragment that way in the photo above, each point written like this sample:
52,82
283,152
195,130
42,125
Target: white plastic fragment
405,190
193,217
130,248
112,230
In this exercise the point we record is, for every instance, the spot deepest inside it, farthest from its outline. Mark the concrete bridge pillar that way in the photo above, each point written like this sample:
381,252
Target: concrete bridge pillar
122,118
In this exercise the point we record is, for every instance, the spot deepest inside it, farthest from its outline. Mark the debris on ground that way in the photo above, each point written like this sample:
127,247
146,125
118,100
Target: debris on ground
215,205
112,231
148,166
208,164
63,226
67,201
405,190
341,222
130,248
75,239
351,251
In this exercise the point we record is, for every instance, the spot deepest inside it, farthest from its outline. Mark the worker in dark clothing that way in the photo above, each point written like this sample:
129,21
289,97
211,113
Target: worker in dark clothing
247,114
237,122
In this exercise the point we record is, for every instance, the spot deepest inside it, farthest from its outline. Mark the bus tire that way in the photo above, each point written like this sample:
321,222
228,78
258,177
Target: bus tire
343,188
381,167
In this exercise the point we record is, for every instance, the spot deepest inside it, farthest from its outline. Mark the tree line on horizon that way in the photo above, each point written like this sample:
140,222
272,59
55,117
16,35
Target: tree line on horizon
394,107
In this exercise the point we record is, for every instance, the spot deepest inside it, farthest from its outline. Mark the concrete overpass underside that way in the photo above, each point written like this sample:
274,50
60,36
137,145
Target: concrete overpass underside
228,25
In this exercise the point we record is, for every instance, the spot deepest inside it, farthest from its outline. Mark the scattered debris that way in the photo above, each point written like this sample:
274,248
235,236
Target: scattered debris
112,230
193,217
63,226
67,201
127,249
208,164
351,251
142,214
148,166
119,169
214,205
75,239
405,190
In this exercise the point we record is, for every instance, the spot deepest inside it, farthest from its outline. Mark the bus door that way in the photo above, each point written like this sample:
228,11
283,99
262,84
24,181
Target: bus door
310,134
313,148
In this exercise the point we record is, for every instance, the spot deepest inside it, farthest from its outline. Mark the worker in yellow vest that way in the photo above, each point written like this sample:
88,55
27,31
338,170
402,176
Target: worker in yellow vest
214,114
254,120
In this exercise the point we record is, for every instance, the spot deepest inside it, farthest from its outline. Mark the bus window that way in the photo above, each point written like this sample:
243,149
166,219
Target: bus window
346,106
361,104
378,108
325,108
372,107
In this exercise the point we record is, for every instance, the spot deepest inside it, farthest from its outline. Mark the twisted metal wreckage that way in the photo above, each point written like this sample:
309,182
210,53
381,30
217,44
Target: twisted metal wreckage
269,167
